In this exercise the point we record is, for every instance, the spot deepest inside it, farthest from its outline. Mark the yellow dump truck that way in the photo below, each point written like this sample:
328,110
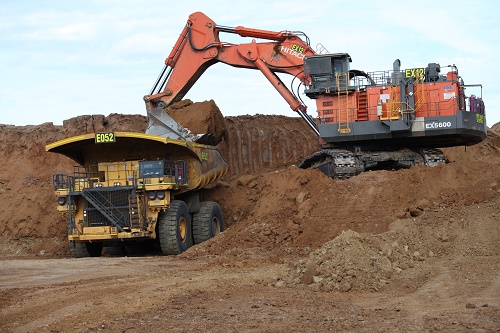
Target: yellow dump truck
133,187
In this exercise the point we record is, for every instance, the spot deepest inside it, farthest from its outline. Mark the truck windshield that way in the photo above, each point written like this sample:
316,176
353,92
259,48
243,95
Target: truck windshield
151,169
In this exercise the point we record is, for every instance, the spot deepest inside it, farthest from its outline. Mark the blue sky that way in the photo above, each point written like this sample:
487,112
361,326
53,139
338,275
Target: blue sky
61,59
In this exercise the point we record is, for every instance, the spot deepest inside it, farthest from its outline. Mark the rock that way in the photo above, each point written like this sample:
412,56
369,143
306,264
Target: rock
414,212
300,198
345,286
424,205
308,276
315,287
386,249
317,279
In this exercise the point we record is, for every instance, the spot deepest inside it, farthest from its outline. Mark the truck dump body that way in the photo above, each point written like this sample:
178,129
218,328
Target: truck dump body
205,165
126,182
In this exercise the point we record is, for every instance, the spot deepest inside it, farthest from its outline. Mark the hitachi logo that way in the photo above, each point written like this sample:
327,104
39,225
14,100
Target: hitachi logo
292,52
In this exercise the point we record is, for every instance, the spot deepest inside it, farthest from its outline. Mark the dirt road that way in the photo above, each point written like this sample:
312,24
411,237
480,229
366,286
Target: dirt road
236,292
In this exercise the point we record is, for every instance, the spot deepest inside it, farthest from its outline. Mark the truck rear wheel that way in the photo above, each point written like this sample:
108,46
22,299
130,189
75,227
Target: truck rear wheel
208,222
84,250
174,228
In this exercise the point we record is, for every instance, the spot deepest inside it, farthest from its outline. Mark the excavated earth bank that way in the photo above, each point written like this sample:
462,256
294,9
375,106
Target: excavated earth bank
429,235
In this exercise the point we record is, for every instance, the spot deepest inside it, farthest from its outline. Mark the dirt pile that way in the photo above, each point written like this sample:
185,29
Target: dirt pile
368,231
292,207
98,123
200,118
404,254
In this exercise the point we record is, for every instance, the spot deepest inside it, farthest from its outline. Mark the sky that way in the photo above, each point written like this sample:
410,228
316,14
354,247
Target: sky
61,59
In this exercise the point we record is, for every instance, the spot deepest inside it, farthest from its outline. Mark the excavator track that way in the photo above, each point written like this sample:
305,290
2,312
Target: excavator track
344,164
335,163
433,157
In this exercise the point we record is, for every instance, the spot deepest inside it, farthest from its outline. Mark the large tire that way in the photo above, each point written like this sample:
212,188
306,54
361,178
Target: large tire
208,222
174,228
84,250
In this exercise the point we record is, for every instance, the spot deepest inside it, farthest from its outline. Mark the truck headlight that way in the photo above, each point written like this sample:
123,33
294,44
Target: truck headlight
61,201
152,195
160,195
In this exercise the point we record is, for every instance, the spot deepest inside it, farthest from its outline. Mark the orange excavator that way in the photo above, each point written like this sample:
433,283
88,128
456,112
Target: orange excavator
365,120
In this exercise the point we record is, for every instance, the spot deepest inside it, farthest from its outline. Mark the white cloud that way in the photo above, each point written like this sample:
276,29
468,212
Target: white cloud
68,32
142,43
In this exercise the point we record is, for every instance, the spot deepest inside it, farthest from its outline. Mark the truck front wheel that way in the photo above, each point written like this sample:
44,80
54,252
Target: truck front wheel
174,228
208,222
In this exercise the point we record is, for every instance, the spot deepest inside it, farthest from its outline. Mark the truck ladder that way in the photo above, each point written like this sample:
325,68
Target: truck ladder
70,184
135,211
102,204
343,107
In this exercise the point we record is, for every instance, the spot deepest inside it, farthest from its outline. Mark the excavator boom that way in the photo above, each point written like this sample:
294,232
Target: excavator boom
199,47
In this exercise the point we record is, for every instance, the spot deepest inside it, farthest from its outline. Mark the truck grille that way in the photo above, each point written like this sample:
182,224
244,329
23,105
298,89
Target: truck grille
107,206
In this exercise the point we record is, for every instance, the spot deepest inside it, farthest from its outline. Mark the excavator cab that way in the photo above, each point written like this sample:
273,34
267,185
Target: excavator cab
327,73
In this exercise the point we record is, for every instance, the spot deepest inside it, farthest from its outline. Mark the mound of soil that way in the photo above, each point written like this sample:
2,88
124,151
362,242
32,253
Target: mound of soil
296,207
403,254
200,118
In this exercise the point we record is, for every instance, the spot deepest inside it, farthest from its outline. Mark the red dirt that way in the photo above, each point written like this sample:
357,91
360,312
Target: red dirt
200,118
402,251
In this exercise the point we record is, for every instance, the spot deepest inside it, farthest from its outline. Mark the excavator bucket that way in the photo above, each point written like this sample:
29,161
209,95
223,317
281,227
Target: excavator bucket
161,124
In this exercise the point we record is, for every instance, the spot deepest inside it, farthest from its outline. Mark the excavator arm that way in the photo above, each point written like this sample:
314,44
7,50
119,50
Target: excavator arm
199,47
